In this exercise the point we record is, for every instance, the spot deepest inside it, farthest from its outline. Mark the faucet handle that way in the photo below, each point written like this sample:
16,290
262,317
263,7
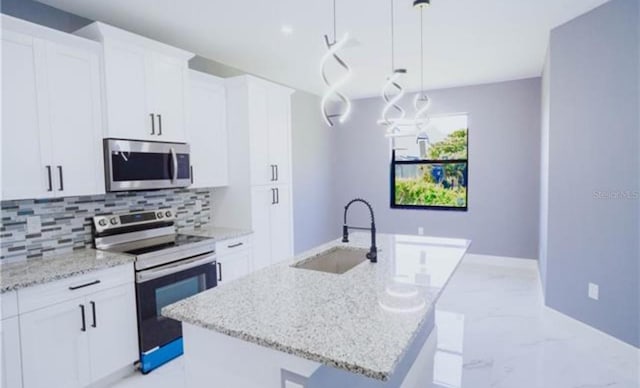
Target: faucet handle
345,234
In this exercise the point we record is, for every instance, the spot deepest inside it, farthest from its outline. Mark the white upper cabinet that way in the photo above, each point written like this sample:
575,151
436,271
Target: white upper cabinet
270,123
207,130
259,194
21,122
73,76
146,83
51,112
127,108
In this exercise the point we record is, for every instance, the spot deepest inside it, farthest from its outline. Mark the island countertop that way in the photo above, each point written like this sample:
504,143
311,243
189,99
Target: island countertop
361,321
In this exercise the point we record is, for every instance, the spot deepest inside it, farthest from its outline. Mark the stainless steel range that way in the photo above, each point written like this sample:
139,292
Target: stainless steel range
169,267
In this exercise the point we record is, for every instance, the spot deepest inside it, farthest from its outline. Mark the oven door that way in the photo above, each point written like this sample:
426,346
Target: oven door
162,286
139,165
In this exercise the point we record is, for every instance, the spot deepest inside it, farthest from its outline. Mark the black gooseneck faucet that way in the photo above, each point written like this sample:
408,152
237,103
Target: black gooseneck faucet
373,251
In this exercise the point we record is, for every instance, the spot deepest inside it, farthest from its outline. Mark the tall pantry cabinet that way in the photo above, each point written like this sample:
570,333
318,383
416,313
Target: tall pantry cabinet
259,192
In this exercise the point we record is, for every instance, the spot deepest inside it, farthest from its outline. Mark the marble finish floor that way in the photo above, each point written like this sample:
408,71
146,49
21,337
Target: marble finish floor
494,331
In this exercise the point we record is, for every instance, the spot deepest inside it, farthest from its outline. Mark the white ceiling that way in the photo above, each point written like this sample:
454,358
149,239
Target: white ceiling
466,41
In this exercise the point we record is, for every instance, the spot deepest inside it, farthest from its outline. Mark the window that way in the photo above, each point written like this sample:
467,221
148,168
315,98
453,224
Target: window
429,170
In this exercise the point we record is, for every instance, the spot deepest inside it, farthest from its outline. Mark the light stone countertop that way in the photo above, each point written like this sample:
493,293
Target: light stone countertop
31,272
218,233
362,321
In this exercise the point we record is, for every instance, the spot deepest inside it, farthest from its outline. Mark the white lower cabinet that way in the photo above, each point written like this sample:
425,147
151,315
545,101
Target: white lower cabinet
235,258
11,360
271,220
113,342
81,340
55,347
233,266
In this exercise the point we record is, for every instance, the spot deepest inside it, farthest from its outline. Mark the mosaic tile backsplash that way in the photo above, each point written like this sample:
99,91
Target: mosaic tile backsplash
59,225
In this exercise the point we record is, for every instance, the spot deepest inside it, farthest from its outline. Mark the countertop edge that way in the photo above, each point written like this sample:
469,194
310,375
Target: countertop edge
377,375
124,260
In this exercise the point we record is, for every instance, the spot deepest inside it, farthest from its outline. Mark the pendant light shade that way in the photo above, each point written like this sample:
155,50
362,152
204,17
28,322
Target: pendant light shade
421,3
332,95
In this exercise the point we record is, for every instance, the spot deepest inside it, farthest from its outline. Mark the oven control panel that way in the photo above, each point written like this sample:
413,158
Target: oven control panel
106,222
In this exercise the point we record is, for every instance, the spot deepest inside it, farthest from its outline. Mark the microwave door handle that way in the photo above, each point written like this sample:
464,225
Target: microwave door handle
174,161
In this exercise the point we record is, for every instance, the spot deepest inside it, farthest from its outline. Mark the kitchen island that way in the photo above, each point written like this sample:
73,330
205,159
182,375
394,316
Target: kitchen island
292,327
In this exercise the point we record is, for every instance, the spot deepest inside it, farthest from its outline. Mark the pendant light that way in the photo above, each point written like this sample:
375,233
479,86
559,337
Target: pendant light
392,91
421,101
332,93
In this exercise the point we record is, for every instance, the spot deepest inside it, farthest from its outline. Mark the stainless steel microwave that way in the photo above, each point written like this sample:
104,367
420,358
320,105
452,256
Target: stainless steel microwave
145,165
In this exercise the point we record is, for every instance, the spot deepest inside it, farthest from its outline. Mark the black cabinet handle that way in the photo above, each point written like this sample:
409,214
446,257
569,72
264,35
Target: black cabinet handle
61,178
84,323
49,176
191,174
93,313
84,285
219,271
277,196
235,245
273,172
273,196
277,173
153,124
159,125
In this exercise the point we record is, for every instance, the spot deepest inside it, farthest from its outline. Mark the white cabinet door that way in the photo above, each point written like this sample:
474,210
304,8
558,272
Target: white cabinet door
262,198
75,119
55,349
207,131
113,335
261,170
280,219
26,156
233,266
279,132
167,85
127,94
11,358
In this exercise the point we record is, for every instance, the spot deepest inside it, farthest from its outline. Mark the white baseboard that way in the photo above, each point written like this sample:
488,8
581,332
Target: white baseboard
512,262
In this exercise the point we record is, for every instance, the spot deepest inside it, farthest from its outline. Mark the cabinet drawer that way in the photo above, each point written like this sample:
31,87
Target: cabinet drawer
232,245
36,297
9,304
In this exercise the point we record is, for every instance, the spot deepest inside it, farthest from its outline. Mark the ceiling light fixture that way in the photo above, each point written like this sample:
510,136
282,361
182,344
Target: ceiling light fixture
421,101
332,92
286,29
391,97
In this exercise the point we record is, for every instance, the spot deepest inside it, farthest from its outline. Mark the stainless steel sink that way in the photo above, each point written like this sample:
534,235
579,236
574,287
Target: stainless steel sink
336,260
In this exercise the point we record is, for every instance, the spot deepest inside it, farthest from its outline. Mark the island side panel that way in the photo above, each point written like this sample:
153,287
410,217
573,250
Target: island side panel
415,369
212,358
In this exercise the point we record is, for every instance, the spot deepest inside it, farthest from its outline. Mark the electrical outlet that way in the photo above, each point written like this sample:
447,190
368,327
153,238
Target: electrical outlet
421,231
33,224
594,291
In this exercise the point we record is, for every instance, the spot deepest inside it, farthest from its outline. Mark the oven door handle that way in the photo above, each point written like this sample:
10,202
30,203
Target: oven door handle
174,161
155,273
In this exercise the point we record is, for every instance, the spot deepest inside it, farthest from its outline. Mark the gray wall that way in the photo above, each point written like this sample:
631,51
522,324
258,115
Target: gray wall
43,14
504,168
544,174
593,232
312,174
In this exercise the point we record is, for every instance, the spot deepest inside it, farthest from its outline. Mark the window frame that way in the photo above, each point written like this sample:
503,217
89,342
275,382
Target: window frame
392,183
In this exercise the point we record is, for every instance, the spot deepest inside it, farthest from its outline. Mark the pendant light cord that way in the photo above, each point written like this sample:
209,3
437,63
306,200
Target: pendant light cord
393,66
421,51
335,36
